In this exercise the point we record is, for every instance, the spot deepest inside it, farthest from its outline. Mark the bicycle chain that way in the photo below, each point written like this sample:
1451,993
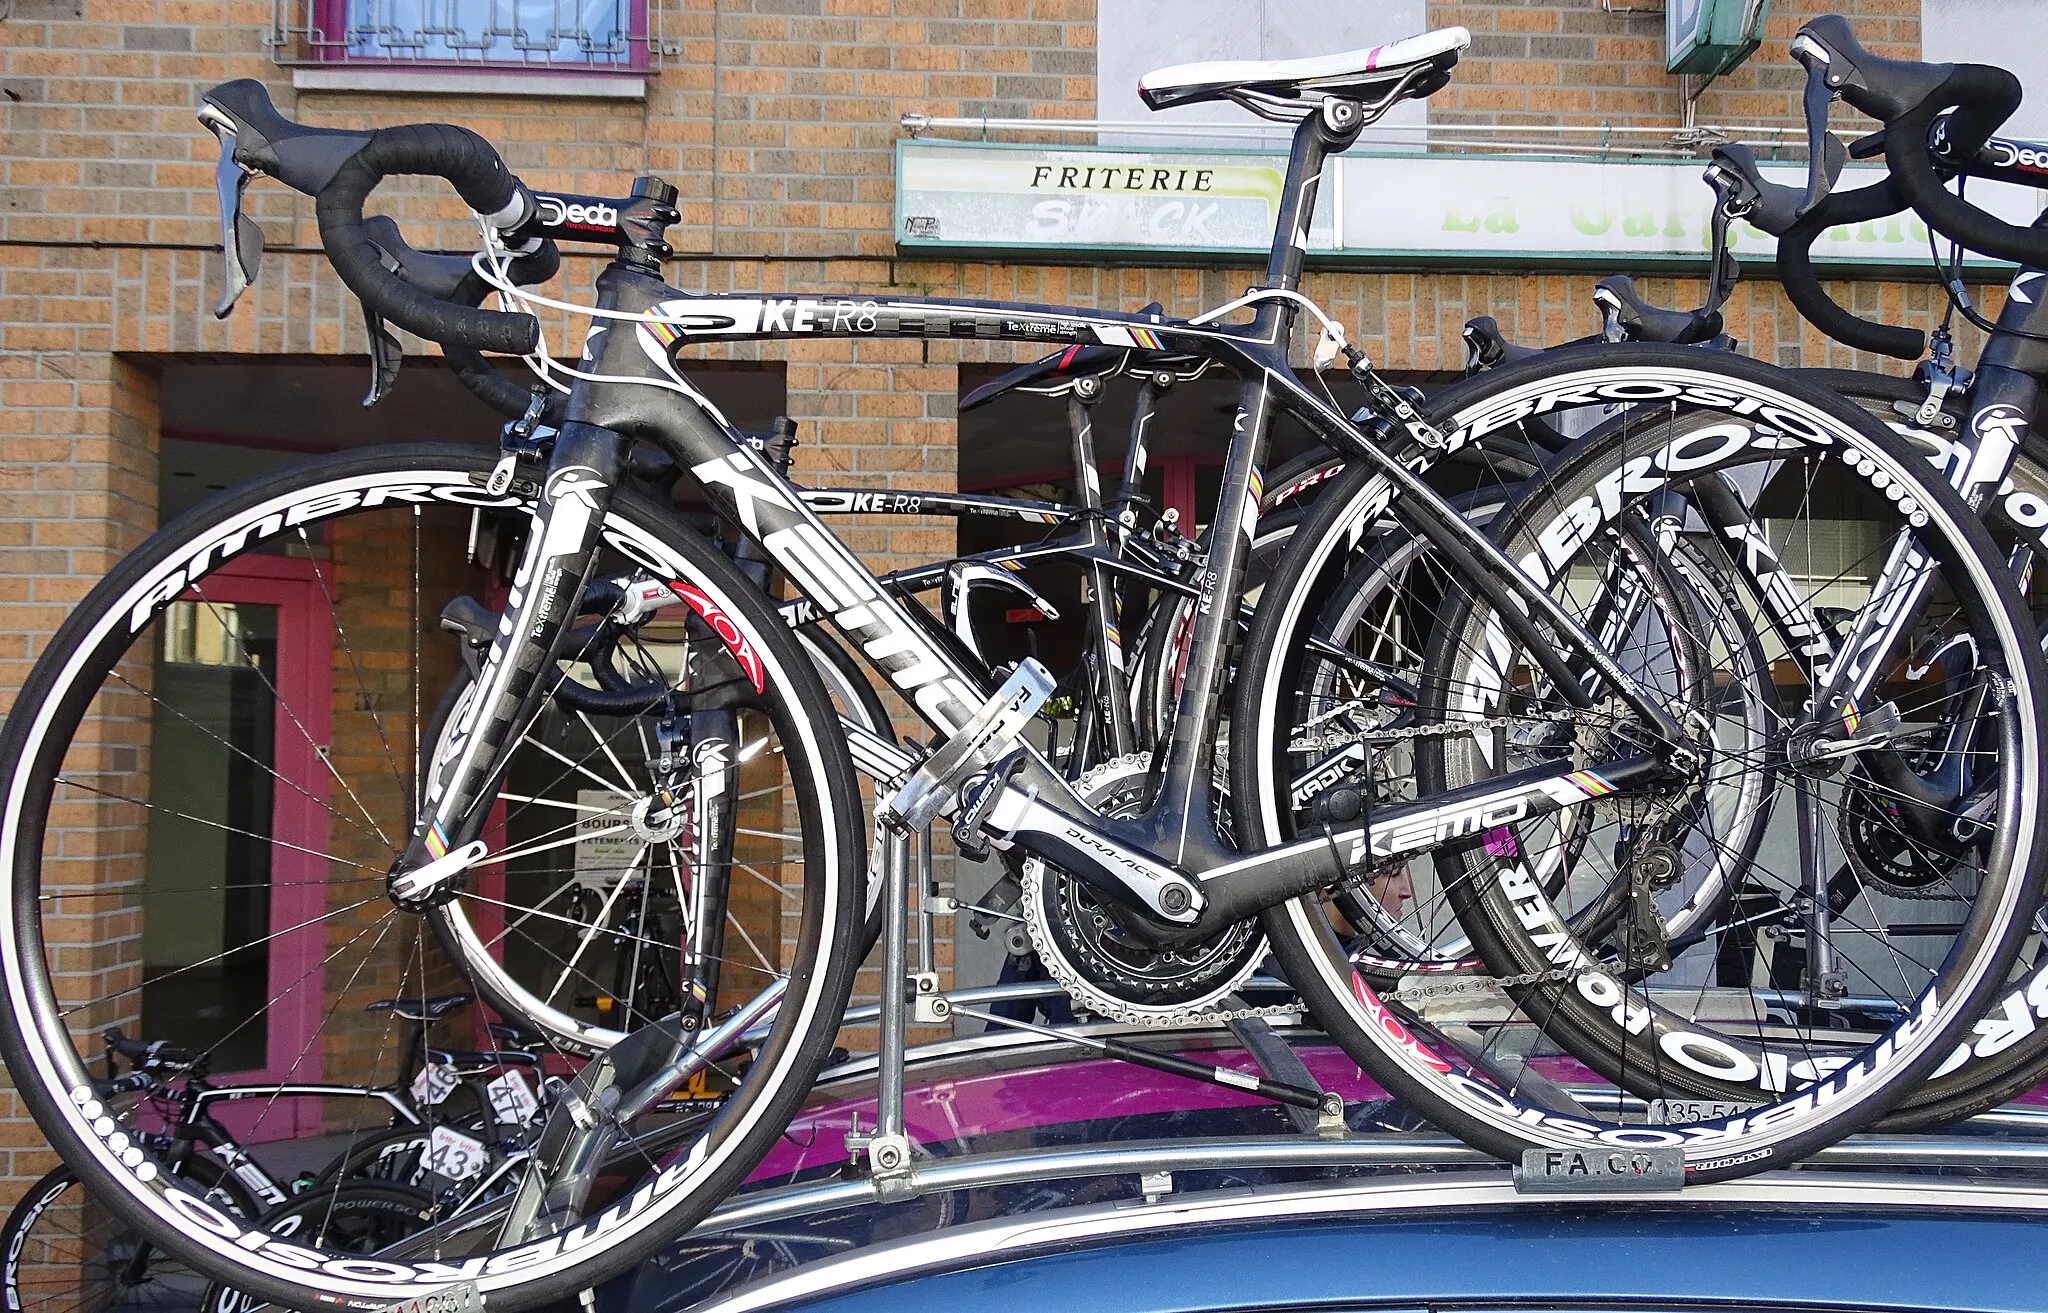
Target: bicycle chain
1330,741
1474,984
1108,1006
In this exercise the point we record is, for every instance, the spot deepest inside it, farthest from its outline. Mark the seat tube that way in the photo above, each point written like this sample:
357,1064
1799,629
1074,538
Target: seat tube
1187,798
1097,583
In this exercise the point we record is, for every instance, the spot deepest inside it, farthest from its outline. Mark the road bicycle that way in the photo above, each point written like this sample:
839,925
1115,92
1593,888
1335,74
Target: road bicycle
59,1246
1964,433
1155,864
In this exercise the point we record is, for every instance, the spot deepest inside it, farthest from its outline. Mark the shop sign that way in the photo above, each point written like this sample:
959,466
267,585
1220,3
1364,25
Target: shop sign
1386,210
1709,37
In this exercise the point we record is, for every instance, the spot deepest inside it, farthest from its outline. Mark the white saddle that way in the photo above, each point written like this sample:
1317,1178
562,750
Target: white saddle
1377,78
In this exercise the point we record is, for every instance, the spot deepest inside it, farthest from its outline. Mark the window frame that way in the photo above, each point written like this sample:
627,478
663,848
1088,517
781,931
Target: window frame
331,16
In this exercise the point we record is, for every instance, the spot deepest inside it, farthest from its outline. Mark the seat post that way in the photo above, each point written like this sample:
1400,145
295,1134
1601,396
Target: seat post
1324,132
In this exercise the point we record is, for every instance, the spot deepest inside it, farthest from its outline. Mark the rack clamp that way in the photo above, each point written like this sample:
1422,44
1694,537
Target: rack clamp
1282,1064
995,731
890,1168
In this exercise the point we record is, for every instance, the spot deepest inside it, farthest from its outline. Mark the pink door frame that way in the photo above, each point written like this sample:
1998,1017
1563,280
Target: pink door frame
304,683
1177,490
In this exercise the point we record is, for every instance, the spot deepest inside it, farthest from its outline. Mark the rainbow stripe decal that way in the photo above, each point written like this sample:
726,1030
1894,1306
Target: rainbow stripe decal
1148,339
1594,785
437,840
1258,484
664,332
1851,718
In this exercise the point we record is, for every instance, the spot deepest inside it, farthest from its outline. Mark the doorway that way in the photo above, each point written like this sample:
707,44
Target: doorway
238,785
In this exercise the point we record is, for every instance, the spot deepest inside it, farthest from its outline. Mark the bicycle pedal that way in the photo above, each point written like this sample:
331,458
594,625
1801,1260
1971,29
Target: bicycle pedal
993,732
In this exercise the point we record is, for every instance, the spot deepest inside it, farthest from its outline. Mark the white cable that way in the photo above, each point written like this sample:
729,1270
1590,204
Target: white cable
492,261
1333,335
492,264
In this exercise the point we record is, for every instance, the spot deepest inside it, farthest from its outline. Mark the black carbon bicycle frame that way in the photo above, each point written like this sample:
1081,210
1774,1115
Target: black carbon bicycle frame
641,394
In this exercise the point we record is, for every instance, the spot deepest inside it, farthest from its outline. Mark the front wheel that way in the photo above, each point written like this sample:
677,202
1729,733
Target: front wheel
178,762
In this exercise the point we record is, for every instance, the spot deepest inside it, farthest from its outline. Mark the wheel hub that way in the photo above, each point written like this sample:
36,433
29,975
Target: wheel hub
658,817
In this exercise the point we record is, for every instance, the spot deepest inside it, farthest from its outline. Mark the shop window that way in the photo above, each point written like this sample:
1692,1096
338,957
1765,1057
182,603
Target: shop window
596,36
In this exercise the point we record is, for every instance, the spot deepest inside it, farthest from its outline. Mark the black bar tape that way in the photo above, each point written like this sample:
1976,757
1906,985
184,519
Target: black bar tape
508,396
1802,284
480,177
1984,98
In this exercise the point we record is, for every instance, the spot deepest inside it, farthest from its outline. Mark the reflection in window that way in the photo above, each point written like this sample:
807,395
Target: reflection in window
206,895
554,33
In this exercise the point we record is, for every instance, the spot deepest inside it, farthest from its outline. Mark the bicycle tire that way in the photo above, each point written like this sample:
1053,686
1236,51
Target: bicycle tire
32,1234
1417,1062
410,482
364,1215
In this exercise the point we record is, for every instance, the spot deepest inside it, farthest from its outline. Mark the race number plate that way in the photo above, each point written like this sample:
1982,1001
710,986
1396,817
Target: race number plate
454,1155
512,1100
1600,1170
435,1082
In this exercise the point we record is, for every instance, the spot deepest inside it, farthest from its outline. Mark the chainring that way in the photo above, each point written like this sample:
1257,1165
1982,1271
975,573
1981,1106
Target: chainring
1105,969
1885,855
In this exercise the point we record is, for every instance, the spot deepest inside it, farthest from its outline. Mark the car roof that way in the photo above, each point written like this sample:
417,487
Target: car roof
1816,1239
1043,1168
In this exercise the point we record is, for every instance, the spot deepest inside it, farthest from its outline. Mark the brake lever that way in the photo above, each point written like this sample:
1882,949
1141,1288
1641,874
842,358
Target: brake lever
241,239
386,356
1819,97
1726,271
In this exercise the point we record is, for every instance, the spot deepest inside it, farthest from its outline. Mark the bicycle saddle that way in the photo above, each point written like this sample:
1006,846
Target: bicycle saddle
471,1062
432,1008
1407,69
1648,323
517,1036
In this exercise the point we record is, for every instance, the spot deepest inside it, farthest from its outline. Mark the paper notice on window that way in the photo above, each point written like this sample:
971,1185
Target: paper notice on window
605,842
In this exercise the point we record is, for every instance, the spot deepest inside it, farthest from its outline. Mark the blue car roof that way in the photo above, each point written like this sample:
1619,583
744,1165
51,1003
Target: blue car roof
1815,1239
1179,1198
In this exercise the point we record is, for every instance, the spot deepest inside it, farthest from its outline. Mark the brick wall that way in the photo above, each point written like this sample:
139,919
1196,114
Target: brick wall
1580,62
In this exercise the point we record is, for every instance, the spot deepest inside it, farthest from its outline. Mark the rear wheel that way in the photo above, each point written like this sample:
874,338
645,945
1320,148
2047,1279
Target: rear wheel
1752,1087
65,1251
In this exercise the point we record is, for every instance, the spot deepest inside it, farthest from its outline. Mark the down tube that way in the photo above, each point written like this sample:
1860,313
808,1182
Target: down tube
742,486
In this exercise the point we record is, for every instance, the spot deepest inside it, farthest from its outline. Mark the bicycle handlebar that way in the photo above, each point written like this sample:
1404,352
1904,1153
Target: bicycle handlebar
133,1082
142,1052
1908,97
1776,209
340,169
1803,287
453,279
